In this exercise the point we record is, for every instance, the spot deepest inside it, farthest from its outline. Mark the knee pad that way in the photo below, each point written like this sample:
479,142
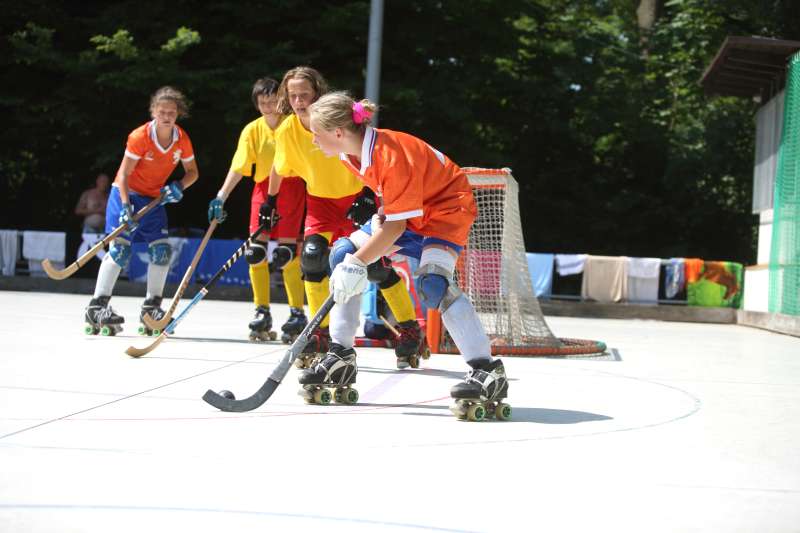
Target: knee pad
255,253
341,248
281,255
120,252
435,287
160,252
382,273
314,259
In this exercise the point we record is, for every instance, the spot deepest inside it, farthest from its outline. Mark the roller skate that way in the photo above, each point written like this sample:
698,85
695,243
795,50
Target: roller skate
294,325
101,318
337,372
411,345
152,307
479,395
261,325
318,343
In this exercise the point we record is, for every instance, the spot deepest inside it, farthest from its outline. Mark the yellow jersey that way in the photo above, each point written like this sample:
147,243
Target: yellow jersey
296,155
256,147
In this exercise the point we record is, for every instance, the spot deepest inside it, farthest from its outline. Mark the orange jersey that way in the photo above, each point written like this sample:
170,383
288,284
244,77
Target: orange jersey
154,164
416,183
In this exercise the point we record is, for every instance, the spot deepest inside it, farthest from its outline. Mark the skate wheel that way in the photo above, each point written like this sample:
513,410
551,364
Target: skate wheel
273,335
347,396
106,331
502,411
90,330
402,364
142,330
426,353
155,332
322,396
476,412
413,361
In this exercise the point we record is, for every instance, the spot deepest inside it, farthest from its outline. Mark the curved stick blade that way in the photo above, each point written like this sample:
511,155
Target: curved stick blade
241,406
54,273
156,324
133,351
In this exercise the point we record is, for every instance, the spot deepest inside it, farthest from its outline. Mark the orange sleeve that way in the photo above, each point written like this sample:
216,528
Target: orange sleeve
401,187
136,146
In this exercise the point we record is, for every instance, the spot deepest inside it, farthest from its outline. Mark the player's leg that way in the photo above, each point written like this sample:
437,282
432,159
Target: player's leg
153,230
314,267
99,313
288,230
258,268
486,381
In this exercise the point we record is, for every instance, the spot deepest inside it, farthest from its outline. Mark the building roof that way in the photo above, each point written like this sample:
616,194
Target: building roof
749,67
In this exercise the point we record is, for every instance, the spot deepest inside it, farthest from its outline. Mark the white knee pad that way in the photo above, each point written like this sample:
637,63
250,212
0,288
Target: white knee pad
345,319
465,328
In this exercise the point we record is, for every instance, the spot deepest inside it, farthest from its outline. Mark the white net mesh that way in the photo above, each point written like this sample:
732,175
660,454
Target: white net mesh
493,272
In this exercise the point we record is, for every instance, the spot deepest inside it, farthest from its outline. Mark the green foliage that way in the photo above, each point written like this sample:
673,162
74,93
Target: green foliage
616,148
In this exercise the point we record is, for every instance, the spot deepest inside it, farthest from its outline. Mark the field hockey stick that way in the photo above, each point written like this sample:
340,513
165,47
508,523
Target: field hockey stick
138,352
278,373
55,273
187,276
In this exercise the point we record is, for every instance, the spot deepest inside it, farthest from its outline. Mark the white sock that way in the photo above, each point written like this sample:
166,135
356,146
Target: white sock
465,328
106,277
156,279
344,322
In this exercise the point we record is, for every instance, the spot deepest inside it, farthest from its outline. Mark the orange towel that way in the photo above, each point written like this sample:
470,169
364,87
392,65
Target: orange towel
693,268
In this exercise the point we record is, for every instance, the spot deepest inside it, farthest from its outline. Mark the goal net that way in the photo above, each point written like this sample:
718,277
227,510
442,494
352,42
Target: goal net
492,271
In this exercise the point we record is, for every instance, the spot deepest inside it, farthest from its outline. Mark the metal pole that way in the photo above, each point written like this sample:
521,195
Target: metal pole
373,85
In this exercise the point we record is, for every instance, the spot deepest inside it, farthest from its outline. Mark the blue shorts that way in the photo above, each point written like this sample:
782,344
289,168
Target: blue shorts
411,244
152,226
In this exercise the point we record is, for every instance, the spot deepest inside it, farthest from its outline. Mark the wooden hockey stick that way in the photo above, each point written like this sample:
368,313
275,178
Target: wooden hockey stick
55,273
278,373
138,352
149,321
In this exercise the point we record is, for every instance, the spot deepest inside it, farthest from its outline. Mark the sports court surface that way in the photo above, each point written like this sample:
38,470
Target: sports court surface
681,427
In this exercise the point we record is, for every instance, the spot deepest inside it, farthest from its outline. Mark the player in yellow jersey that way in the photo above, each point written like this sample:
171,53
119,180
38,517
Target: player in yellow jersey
331,193
253,157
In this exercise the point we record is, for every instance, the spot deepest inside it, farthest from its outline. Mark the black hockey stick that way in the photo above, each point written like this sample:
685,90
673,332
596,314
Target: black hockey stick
138,352
278,373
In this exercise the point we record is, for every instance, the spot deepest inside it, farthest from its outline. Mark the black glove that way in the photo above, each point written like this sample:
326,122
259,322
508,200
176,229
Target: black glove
363,208
268,213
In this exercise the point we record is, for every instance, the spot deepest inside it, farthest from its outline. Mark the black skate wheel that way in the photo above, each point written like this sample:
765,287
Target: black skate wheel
227,394
476,412
273,335
502,411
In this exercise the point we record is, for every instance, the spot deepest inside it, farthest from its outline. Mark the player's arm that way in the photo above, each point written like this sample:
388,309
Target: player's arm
275,180
125,169
231,181
191,173
384,236
81,209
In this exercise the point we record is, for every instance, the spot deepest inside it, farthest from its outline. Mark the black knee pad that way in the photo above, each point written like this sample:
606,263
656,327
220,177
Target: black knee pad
255,253
382,273
314,258
281,255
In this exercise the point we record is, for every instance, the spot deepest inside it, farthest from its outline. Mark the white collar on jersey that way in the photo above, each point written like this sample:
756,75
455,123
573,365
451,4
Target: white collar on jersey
367,146
175,137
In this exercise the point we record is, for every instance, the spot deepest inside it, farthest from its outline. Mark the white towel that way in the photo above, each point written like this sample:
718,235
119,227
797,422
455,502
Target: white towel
9,251
644,267
568,264
39,245
605,279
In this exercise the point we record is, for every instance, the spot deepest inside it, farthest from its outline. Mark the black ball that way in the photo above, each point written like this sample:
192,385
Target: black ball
227,394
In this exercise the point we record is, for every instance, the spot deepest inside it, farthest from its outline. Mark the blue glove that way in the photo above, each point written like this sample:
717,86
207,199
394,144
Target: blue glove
126,217
215,210
171,193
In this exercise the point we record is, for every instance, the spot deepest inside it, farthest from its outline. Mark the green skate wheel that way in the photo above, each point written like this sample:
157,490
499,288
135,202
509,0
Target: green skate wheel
476,412
502,411
142,330
106,331
89,330
322,396
351,396
156,332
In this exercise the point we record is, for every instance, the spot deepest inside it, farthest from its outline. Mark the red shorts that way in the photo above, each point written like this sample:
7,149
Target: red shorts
329,214
291,207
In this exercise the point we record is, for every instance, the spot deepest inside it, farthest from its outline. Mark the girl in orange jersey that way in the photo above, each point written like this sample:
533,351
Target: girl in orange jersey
332,191
152,152
254,156
427,212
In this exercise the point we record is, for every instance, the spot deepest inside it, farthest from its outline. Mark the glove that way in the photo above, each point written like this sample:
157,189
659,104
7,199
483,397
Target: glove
126,217
267,213
363,208
348,279
171,193
215,210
